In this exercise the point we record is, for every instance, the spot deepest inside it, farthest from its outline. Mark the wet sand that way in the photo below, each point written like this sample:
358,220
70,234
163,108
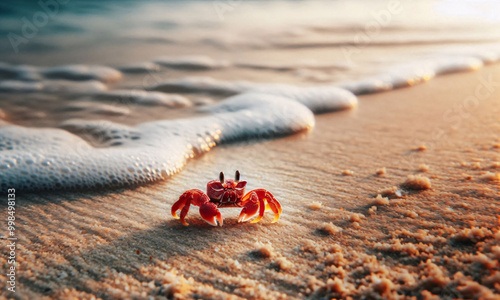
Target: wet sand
423,241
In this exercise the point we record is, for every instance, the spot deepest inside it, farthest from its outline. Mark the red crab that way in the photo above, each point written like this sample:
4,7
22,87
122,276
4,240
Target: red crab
229,193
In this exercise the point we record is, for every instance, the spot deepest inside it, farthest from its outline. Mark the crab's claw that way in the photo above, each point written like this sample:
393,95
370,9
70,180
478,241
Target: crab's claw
259,201
188,198
250,208
211,214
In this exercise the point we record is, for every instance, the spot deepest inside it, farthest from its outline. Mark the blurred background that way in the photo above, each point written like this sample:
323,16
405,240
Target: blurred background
50,32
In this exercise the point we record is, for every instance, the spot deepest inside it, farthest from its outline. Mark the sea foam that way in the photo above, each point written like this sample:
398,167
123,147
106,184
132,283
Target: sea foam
141,67
318,98
195,62
141,97
52,86
102,153
66,72
88,154
419,71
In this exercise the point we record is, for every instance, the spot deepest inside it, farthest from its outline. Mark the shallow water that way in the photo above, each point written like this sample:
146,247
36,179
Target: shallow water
131,92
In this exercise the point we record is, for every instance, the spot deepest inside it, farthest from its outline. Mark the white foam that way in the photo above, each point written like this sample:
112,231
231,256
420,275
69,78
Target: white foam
143,98
35,159
51,86
195,62
457,64
317,98
67,72
101,153
77,87
96,108
304,64
143,67
486,53
82,72
415,72
197,84
233,42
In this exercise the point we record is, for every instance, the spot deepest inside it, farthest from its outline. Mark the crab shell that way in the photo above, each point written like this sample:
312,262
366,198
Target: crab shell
228,193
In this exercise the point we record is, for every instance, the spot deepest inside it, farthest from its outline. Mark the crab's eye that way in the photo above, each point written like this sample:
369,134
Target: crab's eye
237,176
221,177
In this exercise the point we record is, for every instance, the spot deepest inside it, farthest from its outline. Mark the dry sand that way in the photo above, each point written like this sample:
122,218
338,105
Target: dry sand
330,241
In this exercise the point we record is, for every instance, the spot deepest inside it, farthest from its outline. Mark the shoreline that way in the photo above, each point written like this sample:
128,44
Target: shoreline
83,239
282,120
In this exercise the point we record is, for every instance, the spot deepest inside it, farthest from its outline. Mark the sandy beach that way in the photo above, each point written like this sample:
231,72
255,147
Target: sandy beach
335,239
375,124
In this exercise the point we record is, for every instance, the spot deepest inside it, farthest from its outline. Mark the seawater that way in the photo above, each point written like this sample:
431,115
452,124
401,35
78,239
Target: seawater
76,100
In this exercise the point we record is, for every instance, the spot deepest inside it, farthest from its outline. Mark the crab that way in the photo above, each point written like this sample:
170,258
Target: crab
228,193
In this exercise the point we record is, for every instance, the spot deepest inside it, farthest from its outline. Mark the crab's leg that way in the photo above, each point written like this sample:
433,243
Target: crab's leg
183,204
263,199
271,203
208,211
276,208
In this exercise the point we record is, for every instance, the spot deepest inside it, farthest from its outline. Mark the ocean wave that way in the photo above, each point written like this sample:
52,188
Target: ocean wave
66,72
102,153
91,154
